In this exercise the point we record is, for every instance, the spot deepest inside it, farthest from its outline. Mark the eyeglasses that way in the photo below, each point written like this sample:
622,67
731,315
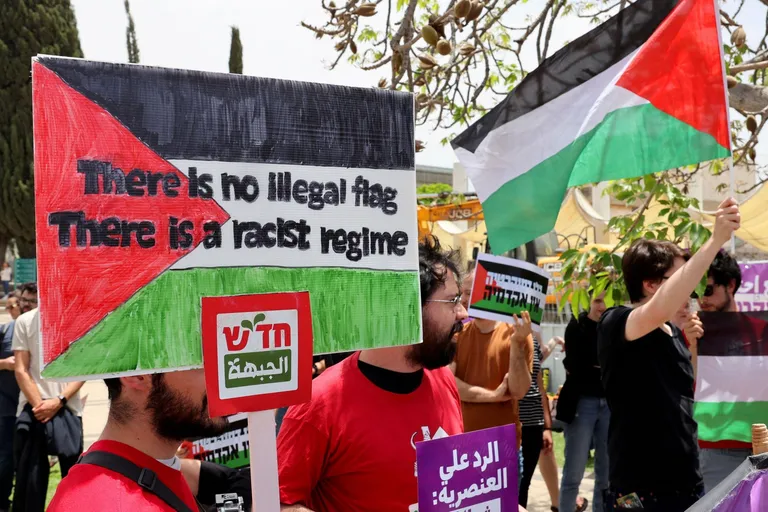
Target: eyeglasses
28,301
455,301
708,292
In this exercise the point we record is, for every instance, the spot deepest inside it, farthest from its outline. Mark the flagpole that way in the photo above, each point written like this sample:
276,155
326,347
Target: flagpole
732,193
731,175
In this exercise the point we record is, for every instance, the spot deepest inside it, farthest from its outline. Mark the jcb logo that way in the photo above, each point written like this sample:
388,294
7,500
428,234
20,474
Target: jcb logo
460,213
276,335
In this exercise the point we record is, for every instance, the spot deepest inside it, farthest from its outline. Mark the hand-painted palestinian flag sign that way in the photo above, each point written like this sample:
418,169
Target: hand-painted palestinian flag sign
731,384
641,93
157,187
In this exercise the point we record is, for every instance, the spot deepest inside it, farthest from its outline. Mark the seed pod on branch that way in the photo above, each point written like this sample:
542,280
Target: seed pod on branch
397,62
422,99
752,154
475,11
353,46
751,124
732,81
420,81
427,61
466,49
430,35
462,8
443,47
419,146
340,46
332,8
366,10
739,37
439,27
383,83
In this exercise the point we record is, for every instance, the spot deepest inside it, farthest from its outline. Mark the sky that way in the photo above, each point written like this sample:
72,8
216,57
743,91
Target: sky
195,34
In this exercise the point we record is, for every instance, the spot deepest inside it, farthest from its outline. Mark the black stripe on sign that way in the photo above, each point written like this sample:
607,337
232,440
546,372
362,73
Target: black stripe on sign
509,270
573,65
197,115
734,334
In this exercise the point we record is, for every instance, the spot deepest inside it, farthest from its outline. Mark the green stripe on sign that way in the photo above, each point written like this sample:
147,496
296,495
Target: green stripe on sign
159,327
630,142
729,421
504,309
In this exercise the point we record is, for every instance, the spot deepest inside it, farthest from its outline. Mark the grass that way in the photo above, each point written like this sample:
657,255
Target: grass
559,441
53,483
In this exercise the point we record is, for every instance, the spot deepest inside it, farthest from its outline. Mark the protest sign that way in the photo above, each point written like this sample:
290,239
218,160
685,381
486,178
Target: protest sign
230,449
257,351
158,187
753,292
731,389
472,472
504,287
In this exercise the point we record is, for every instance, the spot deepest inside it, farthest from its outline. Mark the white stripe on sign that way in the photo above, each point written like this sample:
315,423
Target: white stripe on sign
520,145
376,214
732,379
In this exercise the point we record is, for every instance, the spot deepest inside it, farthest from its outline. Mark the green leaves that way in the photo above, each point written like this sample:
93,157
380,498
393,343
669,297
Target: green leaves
247,324
660,207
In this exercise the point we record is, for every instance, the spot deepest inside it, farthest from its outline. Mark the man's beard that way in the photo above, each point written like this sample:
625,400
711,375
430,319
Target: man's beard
174,416
726,305
438,348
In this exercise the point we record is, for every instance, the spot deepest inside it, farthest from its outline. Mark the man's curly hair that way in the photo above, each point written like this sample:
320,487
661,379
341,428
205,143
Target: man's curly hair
724,268
434,264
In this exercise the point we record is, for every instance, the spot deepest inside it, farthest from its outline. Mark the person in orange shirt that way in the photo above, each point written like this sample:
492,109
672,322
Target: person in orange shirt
493,366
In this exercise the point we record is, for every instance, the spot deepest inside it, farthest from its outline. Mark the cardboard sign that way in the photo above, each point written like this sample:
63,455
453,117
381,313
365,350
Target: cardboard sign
158,187
257,351
230,449
504,287
473,472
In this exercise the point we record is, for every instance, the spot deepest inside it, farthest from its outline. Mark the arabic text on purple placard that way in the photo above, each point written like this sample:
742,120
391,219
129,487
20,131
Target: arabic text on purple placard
473,472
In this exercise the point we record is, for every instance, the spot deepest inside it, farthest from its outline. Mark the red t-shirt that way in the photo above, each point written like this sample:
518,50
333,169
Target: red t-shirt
353,446
88,487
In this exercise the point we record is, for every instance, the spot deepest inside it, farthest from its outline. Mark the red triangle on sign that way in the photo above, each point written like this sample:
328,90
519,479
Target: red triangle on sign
81,284
679,71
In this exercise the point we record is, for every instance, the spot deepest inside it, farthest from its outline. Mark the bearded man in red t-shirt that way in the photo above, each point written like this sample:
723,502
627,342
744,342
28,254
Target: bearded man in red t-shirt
149,416
353,447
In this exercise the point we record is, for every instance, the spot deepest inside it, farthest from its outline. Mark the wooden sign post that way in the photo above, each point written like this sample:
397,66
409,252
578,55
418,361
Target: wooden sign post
257,352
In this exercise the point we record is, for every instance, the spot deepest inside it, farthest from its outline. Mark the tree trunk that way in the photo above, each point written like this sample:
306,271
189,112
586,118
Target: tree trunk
3,246
749,98
26,248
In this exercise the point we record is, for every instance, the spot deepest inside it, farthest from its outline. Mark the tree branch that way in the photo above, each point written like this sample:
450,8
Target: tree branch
749,98
641,211
748,67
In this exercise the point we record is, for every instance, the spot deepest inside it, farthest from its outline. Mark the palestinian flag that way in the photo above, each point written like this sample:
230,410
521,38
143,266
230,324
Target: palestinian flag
731,388
643,92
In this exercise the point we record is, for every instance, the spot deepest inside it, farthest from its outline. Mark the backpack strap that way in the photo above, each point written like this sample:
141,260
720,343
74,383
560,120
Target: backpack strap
144,477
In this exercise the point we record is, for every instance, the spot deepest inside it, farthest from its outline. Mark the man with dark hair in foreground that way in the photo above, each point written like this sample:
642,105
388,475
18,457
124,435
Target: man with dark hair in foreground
149,416
648,376
353,446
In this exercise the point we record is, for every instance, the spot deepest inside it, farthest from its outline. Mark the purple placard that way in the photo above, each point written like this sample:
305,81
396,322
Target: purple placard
753,293
473,472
